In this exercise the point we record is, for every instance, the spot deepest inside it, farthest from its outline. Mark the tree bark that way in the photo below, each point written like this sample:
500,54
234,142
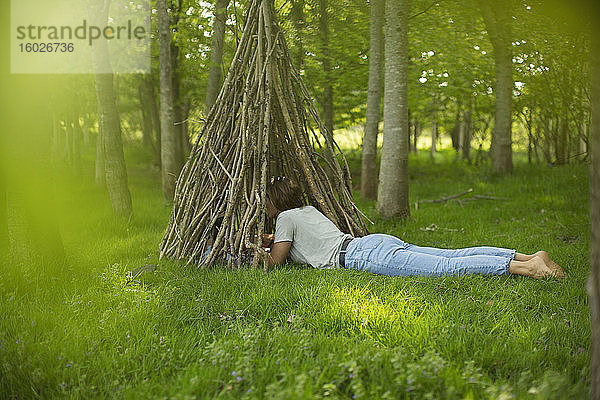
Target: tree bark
368,182
109,121
169,162
497,18
392,196
216,55
326,57
593,285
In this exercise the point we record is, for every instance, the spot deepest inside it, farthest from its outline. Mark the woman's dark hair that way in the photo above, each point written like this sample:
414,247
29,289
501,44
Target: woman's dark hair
284,193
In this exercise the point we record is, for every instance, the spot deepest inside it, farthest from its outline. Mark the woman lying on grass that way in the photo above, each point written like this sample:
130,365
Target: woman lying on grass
309,237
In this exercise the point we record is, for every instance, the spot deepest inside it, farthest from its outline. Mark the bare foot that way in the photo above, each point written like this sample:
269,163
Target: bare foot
534,267
558,271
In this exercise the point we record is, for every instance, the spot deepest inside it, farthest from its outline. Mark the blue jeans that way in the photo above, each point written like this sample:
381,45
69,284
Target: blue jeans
388,255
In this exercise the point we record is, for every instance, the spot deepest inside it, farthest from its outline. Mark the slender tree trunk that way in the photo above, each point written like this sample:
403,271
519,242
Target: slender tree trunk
109,121
69,140
77,139
593,285
86,130
112,145
546,143
462,132
178,115
583,148
297,16
56,137
216,55
417,133
368,180
100,170
561,141
326,57
455,133
468,132
433,135
185,133
392,196
145,109
497,18
169,162
153,109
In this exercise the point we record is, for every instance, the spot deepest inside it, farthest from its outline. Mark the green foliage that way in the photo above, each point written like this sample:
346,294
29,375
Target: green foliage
82,329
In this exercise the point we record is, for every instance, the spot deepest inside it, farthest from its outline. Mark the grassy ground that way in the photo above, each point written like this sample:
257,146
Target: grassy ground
79,330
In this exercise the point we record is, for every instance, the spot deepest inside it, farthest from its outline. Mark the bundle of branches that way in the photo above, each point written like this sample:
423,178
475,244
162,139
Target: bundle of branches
263,124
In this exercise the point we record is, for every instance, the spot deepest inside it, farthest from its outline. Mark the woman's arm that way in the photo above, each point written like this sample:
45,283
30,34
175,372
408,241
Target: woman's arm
279,252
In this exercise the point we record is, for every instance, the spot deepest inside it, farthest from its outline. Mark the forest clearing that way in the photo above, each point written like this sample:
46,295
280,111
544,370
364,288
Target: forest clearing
85,331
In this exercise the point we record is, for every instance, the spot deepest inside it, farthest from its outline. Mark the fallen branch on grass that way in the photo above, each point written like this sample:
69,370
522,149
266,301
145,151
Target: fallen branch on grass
457,196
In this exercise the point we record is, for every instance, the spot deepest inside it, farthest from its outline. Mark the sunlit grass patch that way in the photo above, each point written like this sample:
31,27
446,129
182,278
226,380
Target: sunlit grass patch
399,318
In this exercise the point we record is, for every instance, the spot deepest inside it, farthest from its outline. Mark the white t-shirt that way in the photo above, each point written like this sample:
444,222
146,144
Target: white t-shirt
315,239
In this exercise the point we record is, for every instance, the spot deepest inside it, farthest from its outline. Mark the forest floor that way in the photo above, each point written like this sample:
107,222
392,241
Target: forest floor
81,330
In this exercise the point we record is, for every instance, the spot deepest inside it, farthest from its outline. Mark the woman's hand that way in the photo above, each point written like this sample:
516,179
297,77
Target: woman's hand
267,240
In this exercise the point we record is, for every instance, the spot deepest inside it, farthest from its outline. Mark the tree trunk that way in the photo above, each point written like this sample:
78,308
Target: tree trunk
100,170
29,231
326,57
86,130
593,285
417,133
433,135
57,138
77,139
455,133
169,162
109,121
392,196
185,127
583,147
497,18
561,141
297,16
153,109
146,110
368,180
69,140
178,116
468,133
216,55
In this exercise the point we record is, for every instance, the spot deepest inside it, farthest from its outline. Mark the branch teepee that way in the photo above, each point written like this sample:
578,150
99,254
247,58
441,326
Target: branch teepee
264,123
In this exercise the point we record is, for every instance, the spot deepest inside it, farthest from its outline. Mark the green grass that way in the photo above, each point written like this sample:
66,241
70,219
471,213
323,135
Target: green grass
78,329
